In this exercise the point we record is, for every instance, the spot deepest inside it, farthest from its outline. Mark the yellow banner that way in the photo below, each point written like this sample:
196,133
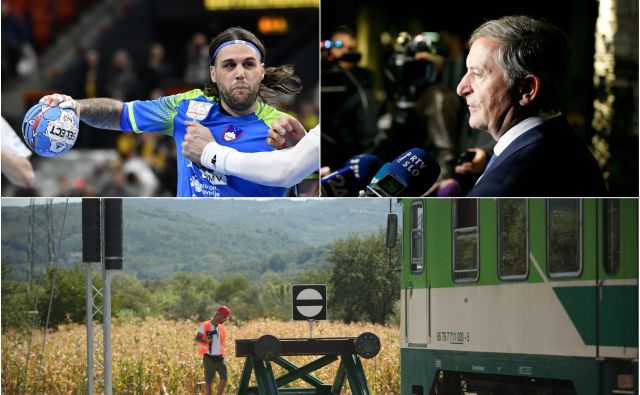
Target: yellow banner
259,4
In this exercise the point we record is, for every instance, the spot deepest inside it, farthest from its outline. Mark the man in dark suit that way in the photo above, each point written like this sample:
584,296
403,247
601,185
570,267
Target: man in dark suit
517,67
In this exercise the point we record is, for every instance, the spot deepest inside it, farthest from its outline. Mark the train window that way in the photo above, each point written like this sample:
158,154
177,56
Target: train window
564,237
465,240
417,241
513,249
611,236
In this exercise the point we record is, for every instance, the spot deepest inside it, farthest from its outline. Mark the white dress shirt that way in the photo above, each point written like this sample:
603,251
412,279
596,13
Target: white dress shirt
518,130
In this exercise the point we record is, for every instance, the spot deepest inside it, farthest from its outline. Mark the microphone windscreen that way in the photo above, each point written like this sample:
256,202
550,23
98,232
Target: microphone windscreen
340,183
383,171
416,170
449,188
364,167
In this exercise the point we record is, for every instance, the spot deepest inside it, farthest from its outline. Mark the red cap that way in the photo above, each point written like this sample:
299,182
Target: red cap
224,310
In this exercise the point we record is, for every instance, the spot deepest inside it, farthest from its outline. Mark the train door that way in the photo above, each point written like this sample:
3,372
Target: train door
415,294
617,284
616,295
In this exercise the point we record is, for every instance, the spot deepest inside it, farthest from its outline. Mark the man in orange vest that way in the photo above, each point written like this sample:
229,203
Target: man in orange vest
210,341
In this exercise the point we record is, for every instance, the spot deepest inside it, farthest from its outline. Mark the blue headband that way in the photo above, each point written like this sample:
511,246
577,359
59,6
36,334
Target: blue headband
231,42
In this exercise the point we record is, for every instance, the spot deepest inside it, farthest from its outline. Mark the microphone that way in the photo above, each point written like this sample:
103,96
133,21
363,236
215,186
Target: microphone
364,166
339,183
349,180
411,174
383,171
450,188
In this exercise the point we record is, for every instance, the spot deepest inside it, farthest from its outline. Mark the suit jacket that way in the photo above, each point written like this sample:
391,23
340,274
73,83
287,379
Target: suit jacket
548,160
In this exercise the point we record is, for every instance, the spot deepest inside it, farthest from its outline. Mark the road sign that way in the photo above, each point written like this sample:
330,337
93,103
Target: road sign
309,302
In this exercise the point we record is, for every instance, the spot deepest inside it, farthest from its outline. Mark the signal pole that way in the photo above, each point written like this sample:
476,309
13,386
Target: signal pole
101,243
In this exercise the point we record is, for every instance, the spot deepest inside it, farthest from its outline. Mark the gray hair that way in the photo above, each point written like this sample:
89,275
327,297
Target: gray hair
531,46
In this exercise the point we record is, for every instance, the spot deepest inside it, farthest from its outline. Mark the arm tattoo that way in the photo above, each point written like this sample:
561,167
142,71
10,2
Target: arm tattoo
101,113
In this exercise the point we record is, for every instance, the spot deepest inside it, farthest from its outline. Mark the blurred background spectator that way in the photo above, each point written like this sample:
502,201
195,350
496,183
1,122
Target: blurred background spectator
197,70
349,106
135,50
157,70
123,79
92,82
19,59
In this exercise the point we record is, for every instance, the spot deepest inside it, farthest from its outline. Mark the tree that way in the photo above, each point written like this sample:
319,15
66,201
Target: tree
17,301
276,263
313,276
69,295
130,297
274,295
190,304
188,295
230,286
363,288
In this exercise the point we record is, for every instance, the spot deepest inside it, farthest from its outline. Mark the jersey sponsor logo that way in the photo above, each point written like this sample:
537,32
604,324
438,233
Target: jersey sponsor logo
198,110
232,133
204,176
213,178
199,188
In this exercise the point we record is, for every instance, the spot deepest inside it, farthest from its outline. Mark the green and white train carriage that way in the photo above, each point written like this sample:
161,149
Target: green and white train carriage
522,296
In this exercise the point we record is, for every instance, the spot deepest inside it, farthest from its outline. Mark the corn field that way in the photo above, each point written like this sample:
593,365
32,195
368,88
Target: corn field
158,356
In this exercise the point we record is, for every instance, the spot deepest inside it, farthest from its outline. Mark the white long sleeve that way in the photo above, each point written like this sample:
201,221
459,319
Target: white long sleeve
283,168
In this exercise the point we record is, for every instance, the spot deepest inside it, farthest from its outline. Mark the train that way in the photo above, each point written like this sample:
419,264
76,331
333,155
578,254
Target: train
518,296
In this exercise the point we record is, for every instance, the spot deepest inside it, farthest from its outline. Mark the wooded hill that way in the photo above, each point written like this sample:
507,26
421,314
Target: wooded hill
217,237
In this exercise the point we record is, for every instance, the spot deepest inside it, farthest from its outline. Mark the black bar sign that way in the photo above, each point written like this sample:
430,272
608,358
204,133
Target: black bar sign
91,251
309,302
113,251
92,222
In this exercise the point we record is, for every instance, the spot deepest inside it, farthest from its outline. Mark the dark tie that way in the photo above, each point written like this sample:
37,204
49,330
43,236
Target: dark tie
491,161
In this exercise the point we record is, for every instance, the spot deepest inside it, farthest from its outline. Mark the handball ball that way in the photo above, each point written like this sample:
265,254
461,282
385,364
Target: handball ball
50,131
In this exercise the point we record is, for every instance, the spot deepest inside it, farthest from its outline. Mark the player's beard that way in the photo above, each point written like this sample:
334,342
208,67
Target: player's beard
239,102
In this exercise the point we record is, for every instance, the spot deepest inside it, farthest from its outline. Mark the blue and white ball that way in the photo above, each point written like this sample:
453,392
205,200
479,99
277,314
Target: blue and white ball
50,131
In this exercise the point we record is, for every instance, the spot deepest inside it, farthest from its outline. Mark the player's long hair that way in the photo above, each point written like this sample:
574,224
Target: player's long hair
281,78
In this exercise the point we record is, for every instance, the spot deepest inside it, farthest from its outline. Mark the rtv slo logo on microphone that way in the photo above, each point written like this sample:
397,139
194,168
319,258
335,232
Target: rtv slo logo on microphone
412,163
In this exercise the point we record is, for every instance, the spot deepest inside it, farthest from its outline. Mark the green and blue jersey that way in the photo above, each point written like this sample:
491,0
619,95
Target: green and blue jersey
245,133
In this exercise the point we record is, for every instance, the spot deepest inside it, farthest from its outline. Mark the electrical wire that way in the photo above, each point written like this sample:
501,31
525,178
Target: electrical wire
25,382
53,286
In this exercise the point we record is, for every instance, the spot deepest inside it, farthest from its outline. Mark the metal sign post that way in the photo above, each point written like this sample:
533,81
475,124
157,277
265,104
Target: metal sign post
89,320
309,303
106,330
310,329
101,243
92,252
